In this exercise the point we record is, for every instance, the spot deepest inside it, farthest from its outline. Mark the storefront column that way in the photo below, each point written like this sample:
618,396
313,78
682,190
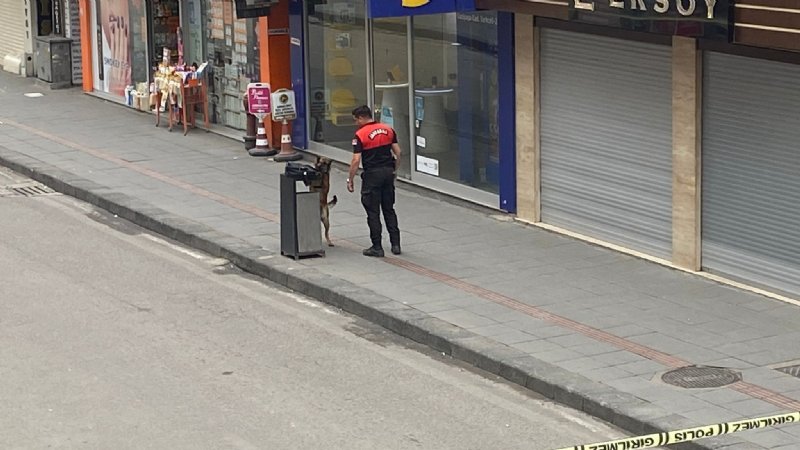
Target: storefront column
686,146
273,42
85,11
527,106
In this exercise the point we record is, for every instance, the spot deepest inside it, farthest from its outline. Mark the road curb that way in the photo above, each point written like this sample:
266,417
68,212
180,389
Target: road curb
619,408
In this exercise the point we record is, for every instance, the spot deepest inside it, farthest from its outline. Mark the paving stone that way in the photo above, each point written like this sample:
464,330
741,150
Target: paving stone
464,319
752,407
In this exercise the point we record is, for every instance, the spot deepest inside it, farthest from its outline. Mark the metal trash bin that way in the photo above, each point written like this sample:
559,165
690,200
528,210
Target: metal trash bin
301,231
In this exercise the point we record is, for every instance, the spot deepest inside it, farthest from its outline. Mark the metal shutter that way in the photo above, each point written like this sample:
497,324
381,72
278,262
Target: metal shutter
12,28
606,139
751,170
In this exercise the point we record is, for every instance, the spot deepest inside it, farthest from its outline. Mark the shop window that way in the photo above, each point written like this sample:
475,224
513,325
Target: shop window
337,47
391,78
456,97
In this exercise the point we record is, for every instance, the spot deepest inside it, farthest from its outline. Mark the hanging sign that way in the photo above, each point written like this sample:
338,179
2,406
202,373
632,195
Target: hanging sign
694,18
400,8
283,106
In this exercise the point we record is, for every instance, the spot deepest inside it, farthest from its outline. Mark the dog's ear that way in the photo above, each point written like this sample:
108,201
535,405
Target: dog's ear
319,158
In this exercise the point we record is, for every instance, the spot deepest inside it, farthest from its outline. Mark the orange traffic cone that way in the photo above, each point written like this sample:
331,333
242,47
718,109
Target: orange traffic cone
262,145
288,153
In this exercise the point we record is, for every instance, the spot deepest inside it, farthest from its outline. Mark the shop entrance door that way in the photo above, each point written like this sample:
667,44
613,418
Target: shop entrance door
391,78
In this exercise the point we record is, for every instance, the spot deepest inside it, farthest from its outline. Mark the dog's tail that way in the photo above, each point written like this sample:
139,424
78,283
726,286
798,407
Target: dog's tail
333,202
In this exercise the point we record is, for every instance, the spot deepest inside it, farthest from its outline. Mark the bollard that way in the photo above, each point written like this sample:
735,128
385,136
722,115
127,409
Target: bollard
262,145
288,153
250,127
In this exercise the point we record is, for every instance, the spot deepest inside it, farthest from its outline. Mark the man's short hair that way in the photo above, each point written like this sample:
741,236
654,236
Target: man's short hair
363,111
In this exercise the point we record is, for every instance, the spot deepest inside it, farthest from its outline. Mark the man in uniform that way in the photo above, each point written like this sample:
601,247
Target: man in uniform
375,147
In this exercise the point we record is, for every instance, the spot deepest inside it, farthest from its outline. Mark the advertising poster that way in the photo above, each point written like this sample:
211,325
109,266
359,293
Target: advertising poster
117,31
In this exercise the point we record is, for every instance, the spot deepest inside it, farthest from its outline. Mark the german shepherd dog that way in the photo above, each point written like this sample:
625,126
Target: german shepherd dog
323,186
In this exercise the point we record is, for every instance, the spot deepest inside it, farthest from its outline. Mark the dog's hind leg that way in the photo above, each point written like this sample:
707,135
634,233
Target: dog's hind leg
326,222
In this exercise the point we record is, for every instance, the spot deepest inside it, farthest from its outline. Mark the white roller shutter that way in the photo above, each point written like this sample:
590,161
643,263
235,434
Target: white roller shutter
606,139
12,28
751,170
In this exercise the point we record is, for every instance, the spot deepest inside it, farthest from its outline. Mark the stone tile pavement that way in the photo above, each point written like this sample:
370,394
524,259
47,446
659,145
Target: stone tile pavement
585,325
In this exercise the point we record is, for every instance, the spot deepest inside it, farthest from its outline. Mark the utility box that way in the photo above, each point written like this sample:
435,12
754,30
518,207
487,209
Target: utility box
53,59
301,231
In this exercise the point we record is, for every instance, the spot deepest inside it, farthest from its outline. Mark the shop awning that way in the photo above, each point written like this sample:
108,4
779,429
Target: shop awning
400,8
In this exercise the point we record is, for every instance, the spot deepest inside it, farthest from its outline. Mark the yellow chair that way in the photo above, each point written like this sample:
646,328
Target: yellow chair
340,67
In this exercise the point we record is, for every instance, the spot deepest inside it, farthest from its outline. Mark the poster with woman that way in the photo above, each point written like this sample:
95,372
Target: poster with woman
117,31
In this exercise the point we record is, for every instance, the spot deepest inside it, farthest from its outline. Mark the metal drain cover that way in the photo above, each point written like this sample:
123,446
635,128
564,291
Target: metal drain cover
698,377
31,189
790,370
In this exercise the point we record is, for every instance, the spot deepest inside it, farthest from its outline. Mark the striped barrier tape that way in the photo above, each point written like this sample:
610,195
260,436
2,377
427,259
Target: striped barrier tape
691,434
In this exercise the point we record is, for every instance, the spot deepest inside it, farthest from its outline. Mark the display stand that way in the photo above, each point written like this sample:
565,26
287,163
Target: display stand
182,100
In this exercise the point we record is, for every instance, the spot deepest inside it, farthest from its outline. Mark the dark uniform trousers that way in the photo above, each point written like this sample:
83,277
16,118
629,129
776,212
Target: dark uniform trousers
377,193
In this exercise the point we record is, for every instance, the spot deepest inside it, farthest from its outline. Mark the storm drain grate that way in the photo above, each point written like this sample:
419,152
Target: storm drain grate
25,190
698,377
790,370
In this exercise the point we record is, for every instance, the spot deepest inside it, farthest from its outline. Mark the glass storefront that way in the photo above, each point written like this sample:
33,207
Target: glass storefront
456,97
434,78
337,79
130,35
391,77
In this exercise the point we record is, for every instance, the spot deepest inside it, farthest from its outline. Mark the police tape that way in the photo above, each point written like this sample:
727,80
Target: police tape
691,434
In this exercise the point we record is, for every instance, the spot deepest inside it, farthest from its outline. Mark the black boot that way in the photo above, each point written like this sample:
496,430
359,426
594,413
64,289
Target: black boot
373,251
396,249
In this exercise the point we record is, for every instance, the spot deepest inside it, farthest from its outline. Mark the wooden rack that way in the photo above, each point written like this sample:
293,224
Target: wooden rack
192,92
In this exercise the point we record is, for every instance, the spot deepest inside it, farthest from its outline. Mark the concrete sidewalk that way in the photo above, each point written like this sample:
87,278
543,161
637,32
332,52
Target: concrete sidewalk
588,326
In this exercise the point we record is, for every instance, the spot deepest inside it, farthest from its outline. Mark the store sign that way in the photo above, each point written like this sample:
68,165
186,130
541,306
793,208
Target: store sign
400,8
253,8
58,13
258,99
283,105
696,18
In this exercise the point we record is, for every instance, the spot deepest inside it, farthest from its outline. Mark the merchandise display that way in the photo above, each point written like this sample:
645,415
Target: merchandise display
178,90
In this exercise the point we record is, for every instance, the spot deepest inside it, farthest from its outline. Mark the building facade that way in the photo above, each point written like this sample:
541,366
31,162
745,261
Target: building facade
440,72
123,41
18,19
668,128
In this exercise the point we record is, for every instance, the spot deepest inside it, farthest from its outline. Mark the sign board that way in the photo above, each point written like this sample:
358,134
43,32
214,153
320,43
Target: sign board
283,106
427,165
401,8
693,18
319,103
58,13
253,8
258,99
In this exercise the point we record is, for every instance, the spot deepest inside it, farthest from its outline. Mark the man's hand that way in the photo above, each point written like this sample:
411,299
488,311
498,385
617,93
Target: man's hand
353,168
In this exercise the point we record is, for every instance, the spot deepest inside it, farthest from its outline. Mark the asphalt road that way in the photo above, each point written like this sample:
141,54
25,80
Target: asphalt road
111,337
